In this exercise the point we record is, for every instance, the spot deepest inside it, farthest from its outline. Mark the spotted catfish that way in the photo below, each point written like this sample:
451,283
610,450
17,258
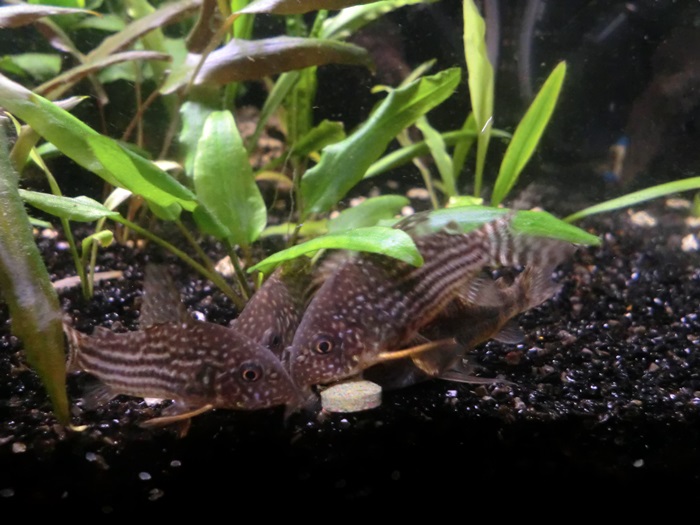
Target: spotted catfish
373,304
273,313
485,310
199,365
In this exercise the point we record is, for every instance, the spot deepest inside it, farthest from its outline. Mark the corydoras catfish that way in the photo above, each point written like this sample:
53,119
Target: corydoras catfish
199,365
484,310
273,313
372,304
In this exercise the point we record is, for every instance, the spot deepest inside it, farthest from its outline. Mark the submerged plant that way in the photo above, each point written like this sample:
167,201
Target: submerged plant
211,182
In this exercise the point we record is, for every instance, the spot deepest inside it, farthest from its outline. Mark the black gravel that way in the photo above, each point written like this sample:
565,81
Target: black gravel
605,394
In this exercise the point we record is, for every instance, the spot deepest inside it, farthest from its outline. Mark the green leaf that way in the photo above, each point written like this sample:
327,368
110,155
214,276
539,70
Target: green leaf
351,19
438,150
96,153
480,83
535,223
37,65
193,114
224,181
102,238
647,194
25,286
327,132
344,163
368,213
81,209
528,133
376,239
404,155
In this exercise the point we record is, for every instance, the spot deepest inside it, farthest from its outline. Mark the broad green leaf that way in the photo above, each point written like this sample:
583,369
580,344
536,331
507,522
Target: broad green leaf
297,7
105,22
81,209
404,155
535,223
193,114
368,213
647,194
350,19
22,15
25,287
37,65
241,60
96,153
480,81
344,163
325,133
527,134
376,239
224,181
438,150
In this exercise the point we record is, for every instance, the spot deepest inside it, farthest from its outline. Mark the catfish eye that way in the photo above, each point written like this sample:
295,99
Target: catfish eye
250,372
323,345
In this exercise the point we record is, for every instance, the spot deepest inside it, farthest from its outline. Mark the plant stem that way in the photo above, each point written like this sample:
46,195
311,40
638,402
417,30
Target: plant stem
214,277
243,282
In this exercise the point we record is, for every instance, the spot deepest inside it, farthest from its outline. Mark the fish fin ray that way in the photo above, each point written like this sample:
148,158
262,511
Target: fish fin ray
161,301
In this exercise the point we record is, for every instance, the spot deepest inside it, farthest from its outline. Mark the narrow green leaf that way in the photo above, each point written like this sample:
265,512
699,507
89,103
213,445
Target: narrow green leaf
81,209
71,77
528,133
376,239
526,222
284,84
224,181
647,194
25,286
480,83
96,153
404,155
344,163
438,150
325,133
169,13
368,213
464,145
351,19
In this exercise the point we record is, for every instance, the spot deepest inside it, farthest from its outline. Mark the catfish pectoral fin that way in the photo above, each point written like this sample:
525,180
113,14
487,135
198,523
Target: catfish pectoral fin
175,418
440,344
461,375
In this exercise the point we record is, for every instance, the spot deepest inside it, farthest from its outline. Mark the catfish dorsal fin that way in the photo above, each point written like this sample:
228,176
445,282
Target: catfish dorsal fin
161,302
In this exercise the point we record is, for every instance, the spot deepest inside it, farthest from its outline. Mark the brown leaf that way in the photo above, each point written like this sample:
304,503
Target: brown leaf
298,7
241,60
24,14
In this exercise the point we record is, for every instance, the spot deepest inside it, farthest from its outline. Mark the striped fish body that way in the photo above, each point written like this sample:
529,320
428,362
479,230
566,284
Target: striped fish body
193,363
488,314
273,313
373,303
